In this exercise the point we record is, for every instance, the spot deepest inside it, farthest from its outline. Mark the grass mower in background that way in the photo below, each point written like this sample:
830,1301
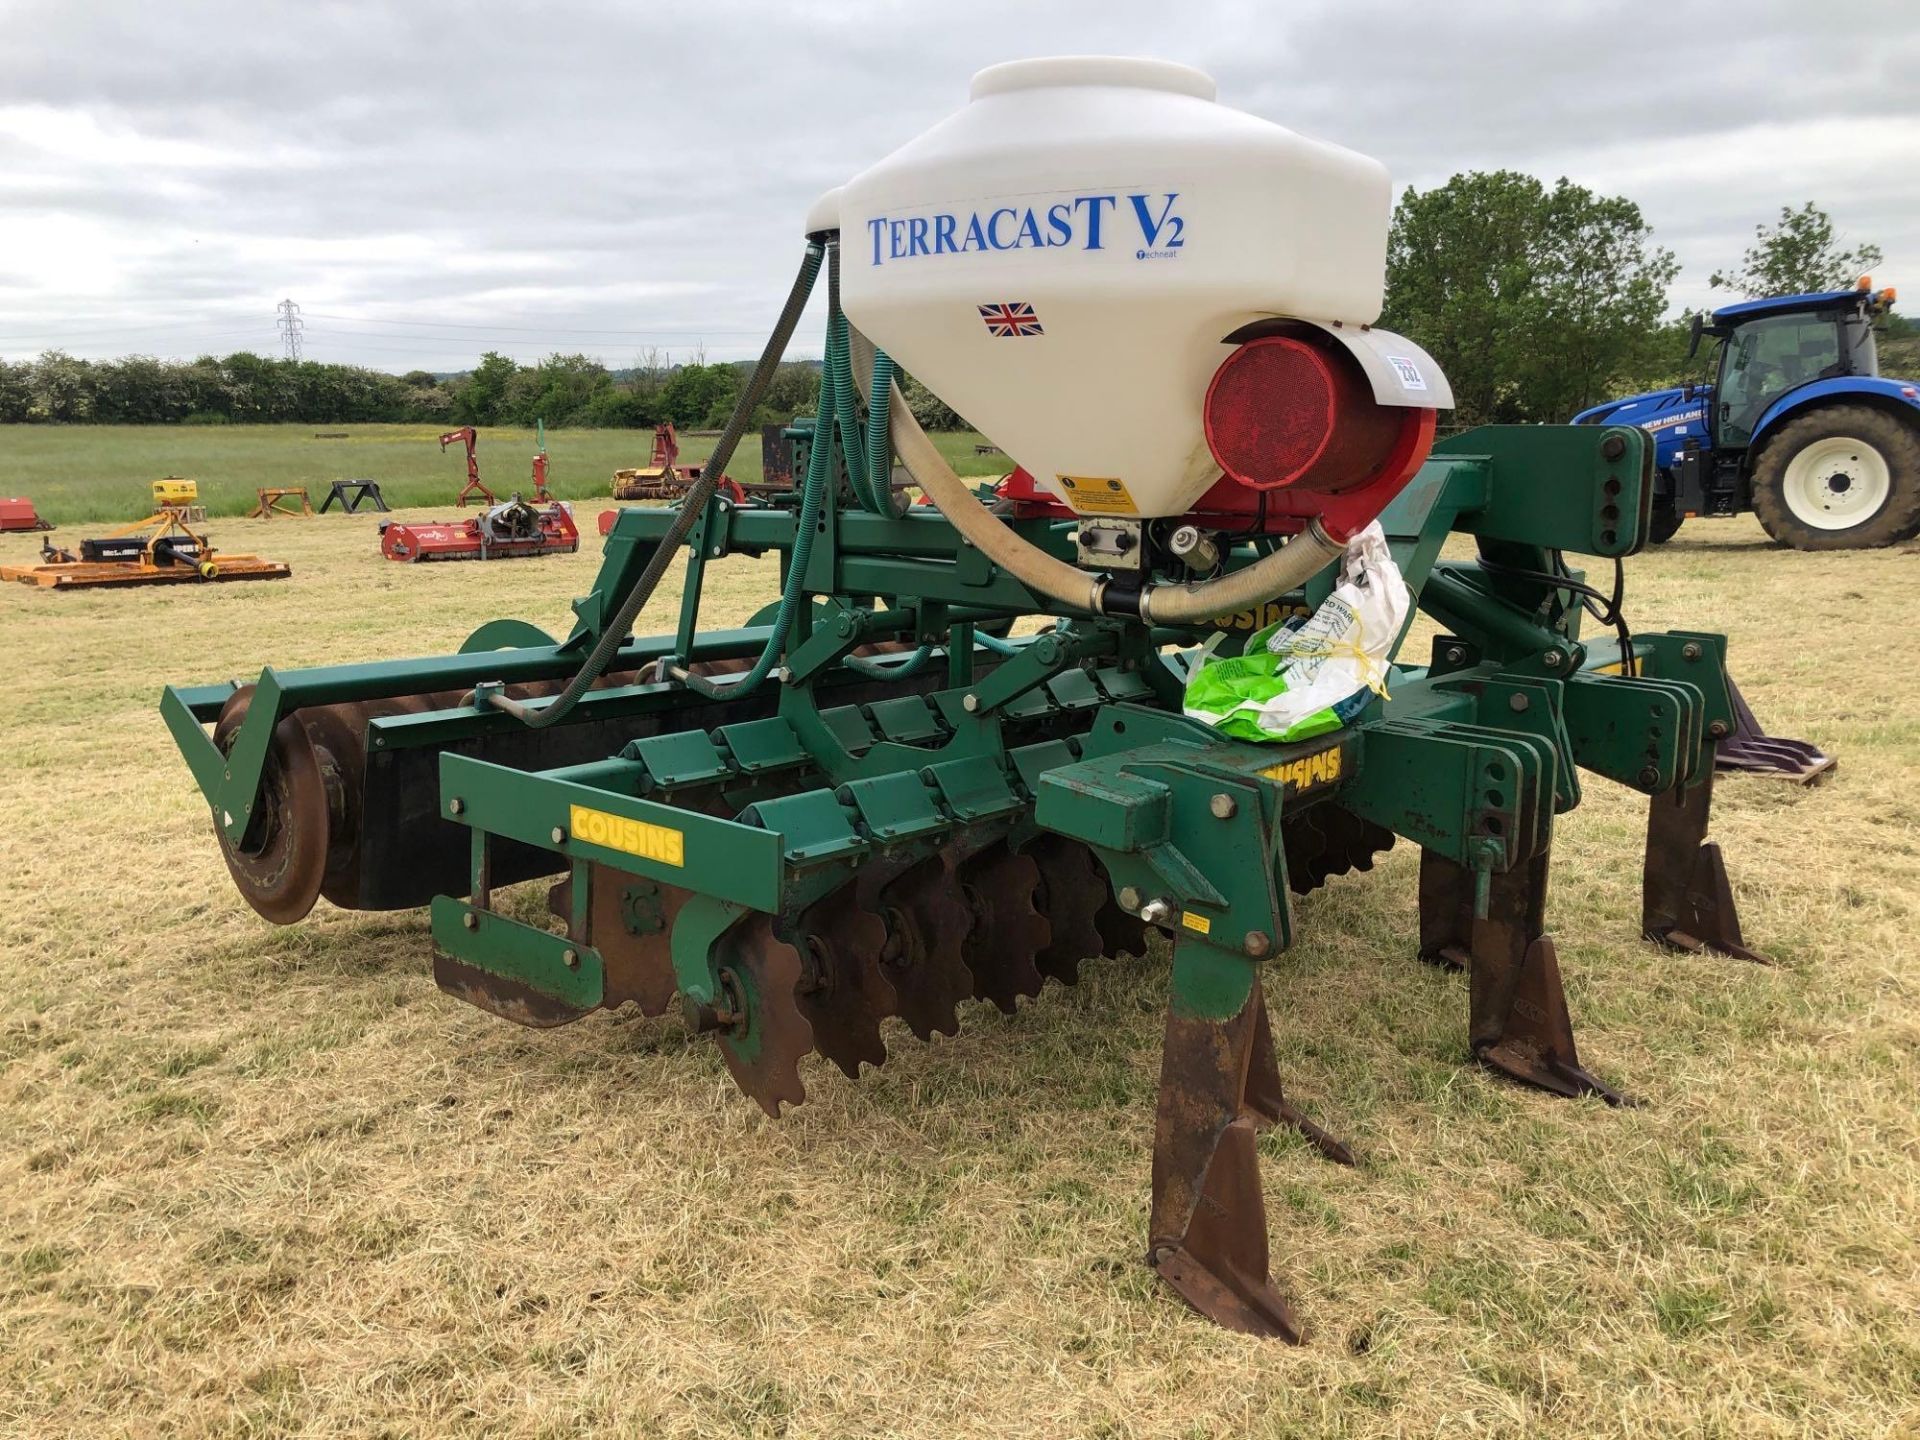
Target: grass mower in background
513,529
168,547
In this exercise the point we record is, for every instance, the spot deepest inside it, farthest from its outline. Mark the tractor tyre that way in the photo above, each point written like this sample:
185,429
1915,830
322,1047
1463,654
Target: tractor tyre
1846,477
1663,523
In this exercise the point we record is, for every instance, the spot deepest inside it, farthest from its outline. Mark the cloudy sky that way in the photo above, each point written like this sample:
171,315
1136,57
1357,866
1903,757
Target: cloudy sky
429,180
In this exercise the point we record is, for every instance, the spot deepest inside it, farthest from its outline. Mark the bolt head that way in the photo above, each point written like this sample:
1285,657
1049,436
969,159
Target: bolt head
1129,898
1649,777
456,806
1517,702
559,836
1690,650
1553,658
470,920
970,703
1257,944
1156,912
1455,655
1718,729
570,958
1223,806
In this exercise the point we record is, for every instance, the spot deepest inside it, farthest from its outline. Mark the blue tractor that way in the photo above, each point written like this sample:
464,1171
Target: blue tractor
1798,426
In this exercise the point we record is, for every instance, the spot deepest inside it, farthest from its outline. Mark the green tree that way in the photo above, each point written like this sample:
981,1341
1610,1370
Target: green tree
559,390
793,390
63,389
695,393
479,400
16,392
929,409
1536,302
1799,256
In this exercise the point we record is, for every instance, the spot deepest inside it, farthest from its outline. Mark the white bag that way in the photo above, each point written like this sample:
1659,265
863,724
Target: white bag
1312,674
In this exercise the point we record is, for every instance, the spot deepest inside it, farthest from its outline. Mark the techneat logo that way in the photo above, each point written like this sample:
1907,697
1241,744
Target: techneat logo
1084,222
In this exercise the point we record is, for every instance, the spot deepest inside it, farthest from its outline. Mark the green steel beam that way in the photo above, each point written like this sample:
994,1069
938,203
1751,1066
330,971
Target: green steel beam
734,862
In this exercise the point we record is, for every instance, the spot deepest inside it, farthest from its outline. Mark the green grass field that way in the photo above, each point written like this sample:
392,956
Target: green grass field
99,474
263,1182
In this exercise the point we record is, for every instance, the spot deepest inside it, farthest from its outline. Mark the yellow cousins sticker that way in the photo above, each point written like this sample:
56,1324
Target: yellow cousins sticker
1307,772
635,837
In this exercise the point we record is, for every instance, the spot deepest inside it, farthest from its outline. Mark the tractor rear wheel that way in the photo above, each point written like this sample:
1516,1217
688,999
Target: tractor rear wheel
1664,522
1845,477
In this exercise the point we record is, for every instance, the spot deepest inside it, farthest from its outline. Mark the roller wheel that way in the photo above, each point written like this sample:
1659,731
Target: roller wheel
335,733
280,861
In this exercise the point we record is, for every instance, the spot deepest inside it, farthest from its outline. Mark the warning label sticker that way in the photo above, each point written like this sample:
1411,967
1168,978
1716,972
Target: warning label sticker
1092,495
1199,924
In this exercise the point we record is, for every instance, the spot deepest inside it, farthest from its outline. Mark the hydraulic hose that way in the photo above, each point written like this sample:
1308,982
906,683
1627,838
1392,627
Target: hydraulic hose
1273,575
812,497
841,415
879,448
615,633
865,362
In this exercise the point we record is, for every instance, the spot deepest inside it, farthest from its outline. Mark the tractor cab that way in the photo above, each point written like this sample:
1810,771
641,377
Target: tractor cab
1770,347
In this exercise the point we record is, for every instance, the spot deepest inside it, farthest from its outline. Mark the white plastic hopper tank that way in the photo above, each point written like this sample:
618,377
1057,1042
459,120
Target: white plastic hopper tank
1061,259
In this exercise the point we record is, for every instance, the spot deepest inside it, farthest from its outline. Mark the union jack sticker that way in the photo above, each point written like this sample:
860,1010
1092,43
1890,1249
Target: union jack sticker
1015,317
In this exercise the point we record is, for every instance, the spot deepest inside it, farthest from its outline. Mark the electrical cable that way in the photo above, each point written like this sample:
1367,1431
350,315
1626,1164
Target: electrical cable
1605,609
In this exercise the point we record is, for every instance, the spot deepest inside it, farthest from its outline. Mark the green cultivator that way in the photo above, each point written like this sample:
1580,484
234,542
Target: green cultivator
878,802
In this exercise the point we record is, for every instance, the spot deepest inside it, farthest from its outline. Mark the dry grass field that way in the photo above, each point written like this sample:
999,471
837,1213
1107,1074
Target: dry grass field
260,1181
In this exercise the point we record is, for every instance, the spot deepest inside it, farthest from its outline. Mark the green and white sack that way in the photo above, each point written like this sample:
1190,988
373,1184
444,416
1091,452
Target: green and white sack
1311,674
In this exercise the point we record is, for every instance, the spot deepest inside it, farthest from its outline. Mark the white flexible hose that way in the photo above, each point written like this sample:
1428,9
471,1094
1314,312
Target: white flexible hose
1273,575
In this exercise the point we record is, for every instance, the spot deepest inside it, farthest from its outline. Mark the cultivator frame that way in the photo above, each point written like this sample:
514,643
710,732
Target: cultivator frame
917,810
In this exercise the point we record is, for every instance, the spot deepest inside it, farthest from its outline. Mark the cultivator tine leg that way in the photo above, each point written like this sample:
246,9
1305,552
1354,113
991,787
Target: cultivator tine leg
1687,901
755,1017
1265,1096
1208,1230
844,993
1518,1021
1446,912
1073,886
1008,929
927,922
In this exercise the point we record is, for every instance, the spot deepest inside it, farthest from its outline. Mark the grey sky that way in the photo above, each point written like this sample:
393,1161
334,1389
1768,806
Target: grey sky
607,177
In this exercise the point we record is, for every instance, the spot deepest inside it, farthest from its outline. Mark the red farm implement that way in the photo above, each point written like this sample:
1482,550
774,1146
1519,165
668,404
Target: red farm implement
500,532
